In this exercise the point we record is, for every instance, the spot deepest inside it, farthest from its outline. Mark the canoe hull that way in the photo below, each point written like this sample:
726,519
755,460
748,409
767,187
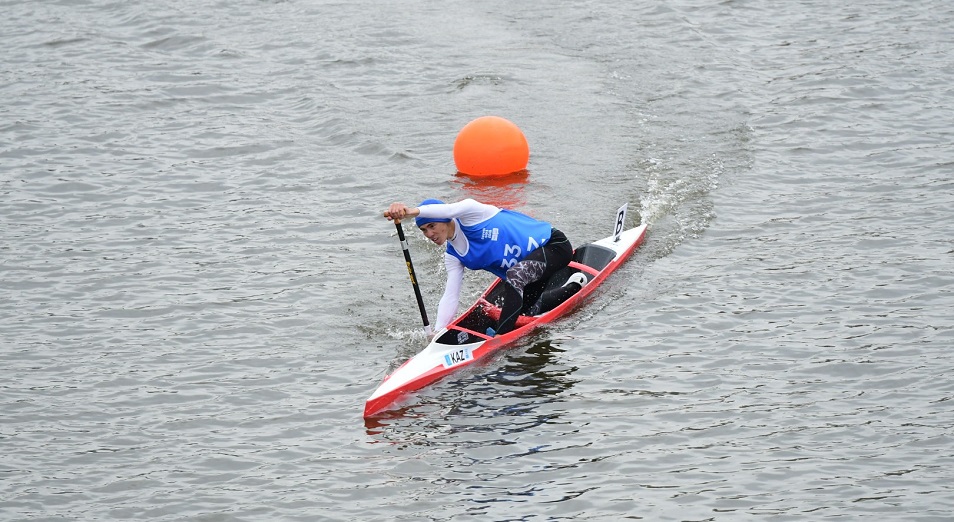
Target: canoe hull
464,342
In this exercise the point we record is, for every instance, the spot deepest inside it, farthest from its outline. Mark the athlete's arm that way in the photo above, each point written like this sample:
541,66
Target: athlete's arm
447,308
468,211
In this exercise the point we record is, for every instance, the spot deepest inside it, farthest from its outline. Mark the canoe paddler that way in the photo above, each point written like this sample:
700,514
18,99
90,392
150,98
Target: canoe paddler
523,251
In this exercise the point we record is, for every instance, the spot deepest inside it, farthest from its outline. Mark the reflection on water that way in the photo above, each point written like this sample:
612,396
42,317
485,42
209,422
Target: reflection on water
501,191
530,376
504,396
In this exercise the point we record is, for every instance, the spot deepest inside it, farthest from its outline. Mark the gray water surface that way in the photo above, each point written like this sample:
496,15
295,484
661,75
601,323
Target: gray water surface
199,292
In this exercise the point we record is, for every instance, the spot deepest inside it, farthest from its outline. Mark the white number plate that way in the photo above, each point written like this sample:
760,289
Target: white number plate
457,357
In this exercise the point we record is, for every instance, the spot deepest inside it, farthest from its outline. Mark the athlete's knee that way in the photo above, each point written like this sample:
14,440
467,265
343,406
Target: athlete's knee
517,278
524,273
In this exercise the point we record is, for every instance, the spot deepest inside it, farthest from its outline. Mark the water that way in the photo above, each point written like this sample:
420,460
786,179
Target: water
199,294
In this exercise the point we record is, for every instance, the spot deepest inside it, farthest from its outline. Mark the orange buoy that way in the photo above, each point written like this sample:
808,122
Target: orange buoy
491,146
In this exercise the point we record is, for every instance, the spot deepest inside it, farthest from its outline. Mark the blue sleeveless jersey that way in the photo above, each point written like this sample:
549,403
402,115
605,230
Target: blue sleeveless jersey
500,242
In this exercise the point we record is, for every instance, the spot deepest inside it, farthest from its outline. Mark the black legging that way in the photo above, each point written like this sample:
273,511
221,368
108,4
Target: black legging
530,275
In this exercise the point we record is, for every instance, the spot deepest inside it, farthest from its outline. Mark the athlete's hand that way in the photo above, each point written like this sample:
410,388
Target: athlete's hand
397,211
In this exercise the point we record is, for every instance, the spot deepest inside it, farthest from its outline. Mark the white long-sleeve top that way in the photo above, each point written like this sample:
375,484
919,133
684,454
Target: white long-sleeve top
467,212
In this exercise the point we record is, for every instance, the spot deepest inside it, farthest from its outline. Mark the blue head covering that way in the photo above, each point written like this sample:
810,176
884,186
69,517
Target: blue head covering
421,221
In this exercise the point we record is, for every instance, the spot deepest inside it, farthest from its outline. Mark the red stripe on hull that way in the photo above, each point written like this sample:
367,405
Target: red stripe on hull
386,401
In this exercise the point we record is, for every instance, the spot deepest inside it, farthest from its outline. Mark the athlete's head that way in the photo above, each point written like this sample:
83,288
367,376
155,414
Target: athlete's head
437,230
421,221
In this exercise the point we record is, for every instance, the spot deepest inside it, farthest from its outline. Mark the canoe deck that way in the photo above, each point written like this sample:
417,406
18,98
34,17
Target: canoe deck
464,340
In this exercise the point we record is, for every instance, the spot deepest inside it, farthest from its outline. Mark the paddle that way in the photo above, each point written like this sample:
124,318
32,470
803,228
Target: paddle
410,272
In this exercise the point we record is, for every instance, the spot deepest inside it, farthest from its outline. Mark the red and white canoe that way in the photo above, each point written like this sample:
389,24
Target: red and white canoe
463,341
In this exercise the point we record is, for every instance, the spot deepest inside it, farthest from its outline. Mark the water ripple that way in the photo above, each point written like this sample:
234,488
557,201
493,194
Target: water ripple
199,291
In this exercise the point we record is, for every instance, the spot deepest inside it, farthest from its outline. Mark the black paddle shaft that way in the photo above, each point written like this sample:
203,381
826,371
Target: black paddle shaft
410,272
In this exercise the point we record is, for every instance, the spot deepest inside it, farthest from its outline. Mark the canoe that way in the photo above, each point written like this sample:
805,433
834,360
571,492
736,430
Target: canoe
464,341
